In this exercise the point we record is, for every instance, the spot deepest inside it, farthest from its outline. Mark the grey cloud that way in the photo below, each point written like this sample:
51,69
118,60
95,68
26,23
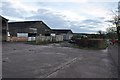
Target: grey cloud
8,10
102,18
51,19
82,28
42,11
91,21
88,23
56,21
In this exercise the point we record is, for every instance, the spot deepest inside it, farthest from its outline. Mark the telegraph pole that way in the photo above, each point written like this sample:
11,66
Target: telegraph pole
118,33
118,24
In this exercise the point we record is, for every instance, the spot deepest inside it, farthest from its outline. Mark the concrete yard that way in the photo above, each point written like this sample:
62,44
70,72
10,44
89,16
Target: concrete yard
22,60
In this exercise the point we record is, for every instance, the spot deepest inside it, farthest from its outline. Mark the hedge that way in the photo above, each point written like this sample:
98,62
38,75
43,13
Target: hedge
95,43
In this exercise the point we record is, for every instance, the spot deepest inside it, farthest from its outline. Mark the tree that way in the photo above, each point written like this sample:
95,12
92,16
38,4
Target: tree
111,30
101,34
116,21
111,33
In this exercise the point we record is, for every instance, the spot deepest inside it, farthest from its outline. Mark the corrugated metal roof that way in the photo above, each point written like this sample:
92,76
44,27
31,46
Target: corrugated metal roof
59,31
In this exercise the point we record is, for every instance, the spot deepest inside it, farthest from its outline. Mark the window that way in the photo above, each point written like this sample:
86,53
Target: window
22,34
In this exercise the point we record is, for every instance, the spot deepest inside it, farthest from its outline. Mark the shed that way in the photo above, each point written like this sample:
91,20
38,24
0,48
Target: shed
3,28
66,34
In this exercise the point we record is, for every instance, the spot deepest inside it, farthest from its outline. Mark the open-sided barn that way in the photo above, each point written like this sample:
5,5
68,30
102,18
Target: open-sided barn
27,30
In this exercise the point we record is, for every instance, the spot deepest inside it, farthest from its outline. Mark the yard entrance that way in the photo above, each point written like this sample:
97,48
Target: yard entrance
55,61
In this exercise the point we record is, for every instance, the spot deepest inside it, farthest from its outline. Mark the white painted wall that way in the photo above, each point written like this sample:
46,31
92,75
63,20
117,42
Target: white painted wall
70,36
44,38
59,37
31,38
67,36
53,34
22,34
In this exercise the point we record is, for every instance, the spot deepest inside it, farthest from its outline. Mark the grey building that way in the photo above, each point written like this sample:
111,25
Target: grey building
3,28
25,30
65,33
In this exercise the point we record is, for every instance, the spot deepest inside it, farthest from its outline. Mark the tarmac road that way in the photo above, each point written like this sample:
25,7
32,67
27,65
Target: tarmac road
53,61
113,52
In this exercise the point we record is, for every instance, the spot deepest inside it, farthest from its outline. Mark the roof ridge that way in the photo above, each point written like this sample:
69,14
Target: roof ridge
61,29
24,21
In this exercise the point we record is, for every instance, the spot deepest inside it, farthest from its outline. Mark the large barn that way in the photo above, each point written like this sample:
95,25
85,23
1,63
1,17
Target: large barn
27,30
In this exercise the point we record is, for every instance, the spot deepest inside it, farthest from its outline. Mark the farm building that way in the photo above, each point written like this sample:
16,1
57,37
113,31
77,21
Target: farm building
62,34
28,30
4,30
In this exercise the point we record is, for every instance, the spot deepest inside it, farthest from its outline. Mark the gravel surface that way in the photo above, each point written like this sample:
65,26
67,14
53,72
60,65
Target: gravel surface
55,61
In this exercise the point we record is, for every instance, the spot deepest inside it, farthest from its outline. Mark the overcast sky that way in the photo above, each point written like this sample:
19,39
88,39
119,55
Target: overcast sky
81,16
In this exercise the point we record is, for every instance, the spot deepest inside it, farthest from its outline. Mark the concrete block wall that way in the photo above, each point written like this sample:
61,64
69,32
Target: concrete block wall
59,38
17,39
